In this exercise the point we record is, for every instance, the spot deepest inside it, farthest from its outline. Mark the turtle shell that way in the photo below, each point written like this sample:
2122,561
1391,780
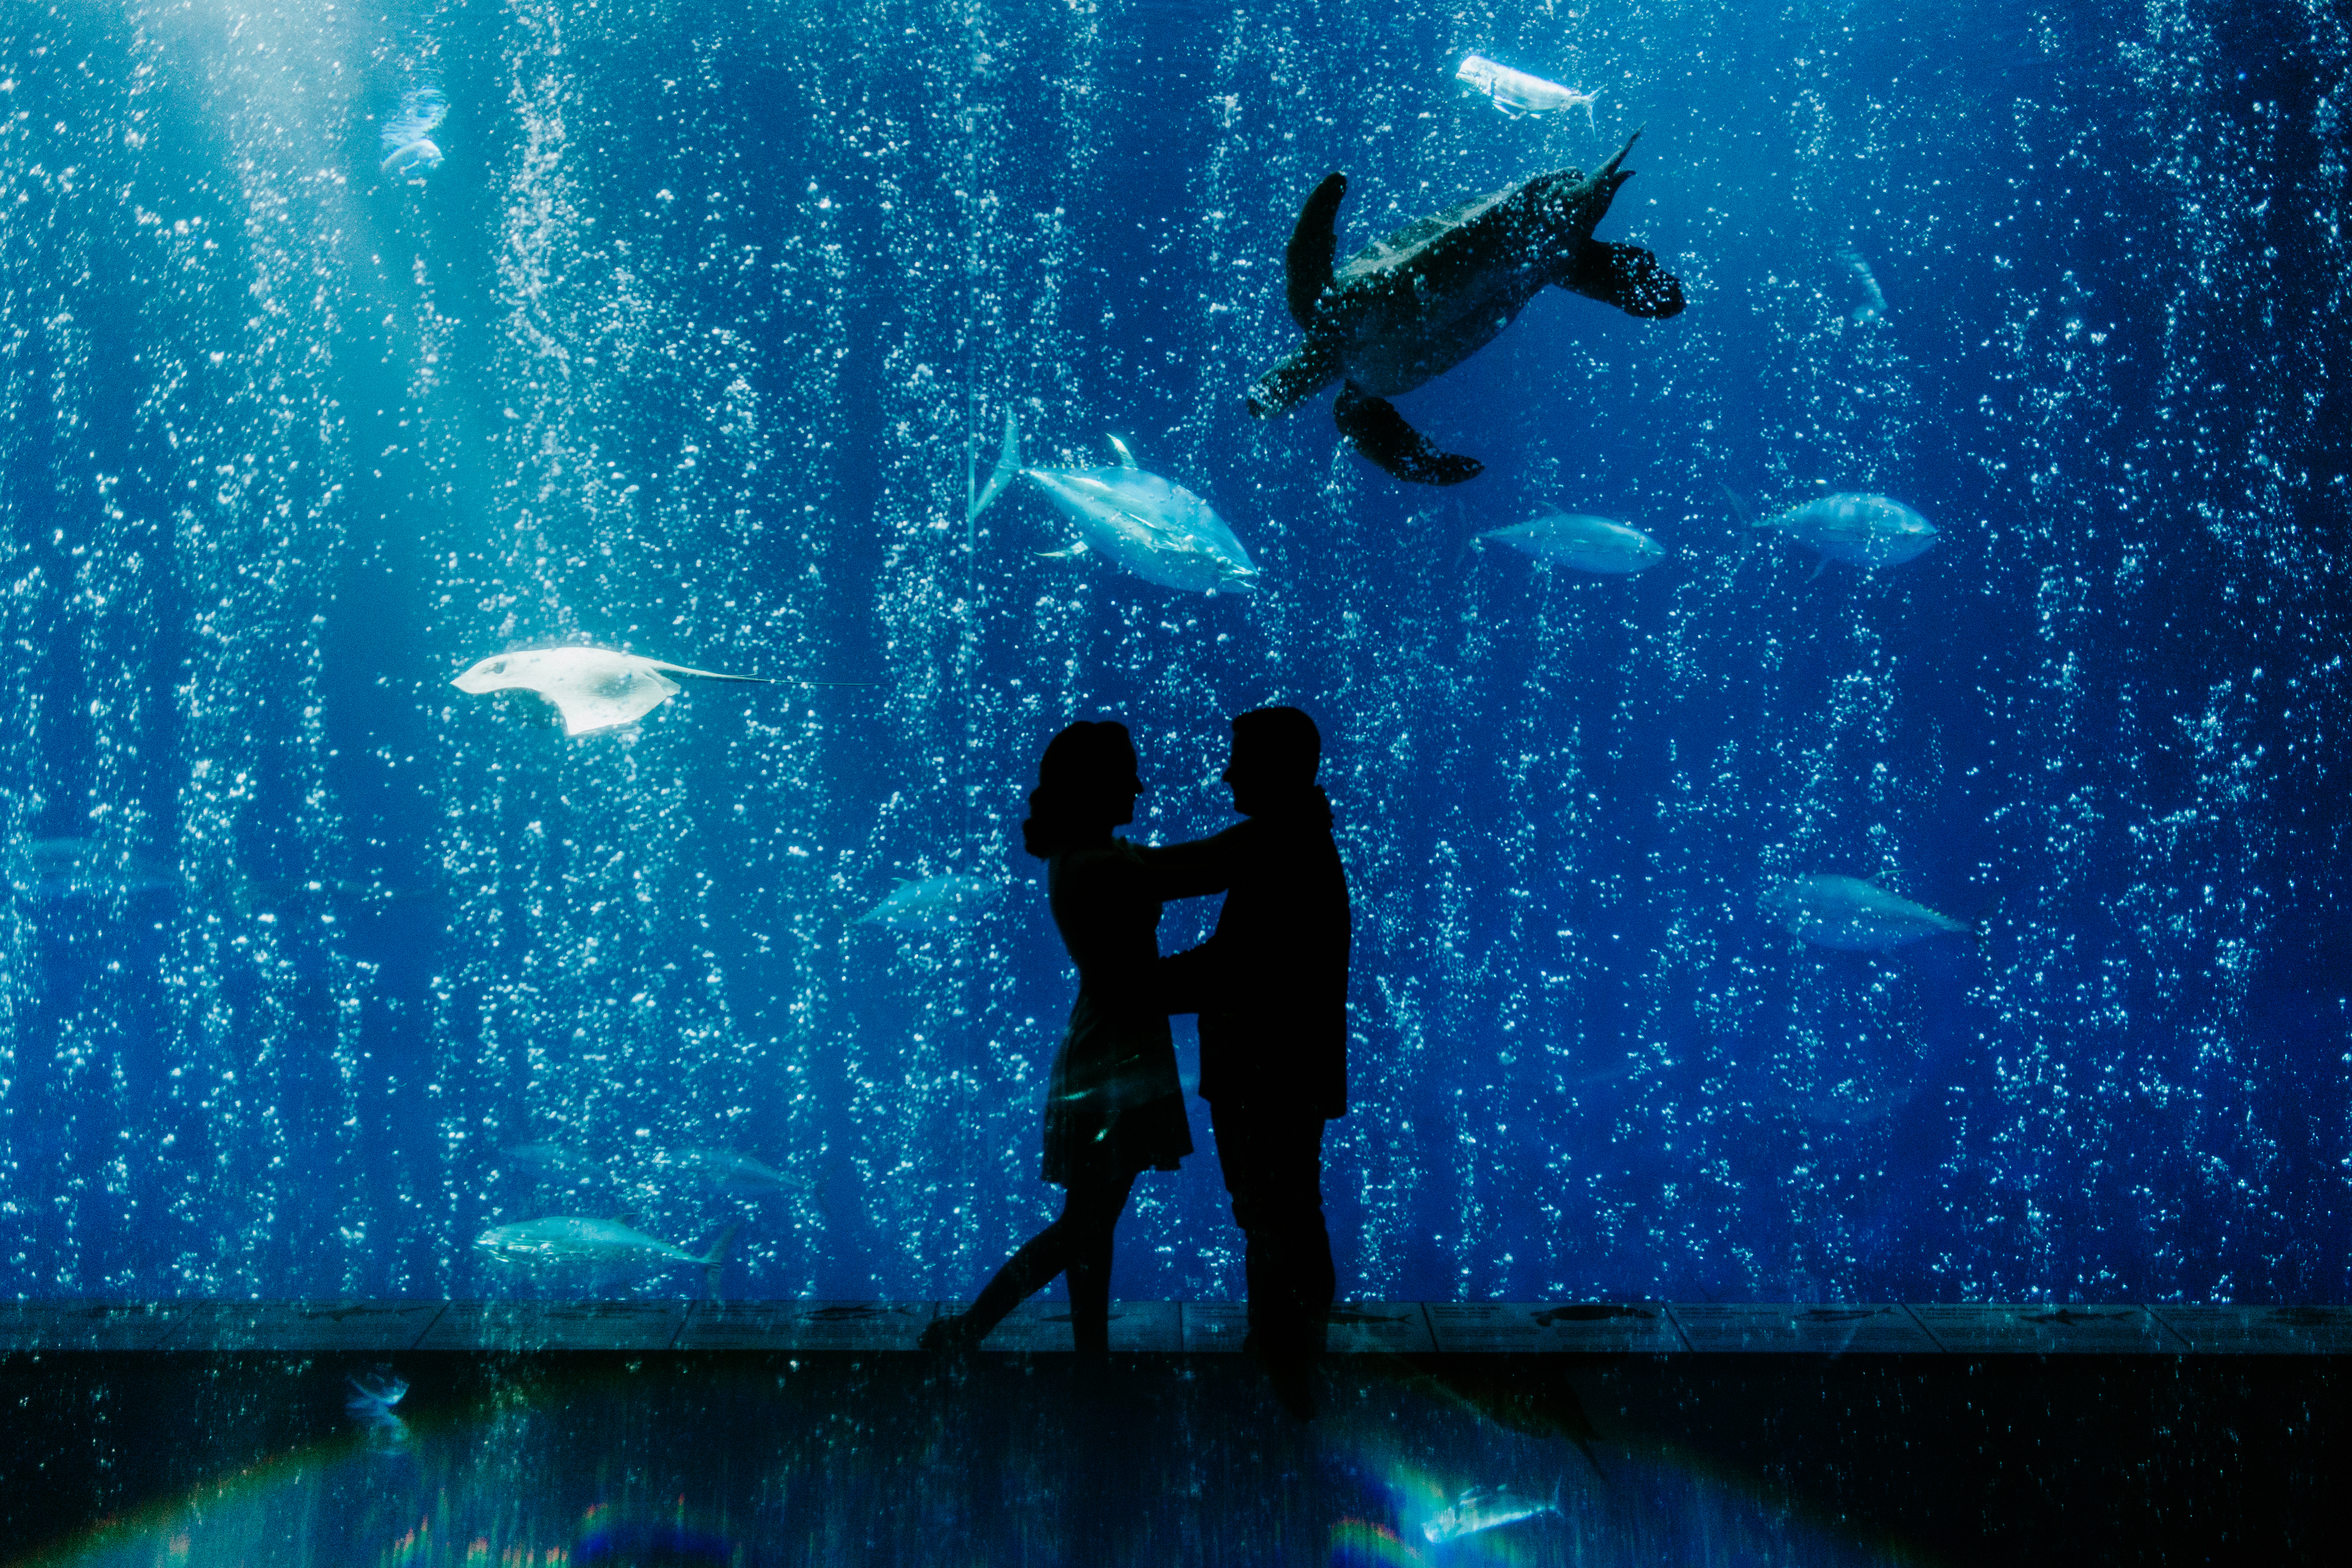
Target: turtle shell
1408,245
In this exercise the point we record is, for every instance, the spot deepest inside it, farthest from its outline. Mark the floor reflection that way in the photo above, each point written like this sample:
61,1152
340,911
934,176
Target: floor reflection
889,1460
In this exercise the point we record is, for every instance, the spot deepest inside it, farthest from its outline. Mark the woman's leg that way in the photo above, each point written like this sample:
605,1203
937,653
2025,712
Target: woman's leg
1092,1212
1077,1244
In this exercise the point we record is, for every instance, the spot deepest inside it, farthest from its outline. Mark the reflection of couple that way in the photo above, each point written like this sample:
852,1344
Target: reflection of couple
1271,987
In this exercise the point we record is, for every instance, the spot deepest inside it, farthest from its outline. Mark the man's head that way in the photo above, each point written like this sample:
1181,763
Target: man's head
1275,753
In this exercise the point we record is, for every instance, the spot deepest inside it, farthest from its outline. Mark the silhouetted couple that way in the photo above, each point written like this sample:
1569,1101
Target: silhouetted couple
1270,988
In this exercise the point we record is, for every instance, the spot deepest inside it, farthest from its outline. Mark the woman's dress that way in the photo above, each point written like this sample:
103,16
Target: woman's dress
1113,1103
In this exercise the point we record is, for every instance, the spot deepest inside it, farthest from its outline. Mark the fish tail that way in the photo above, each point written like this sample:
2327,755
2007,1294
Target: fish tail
1008,469
1738,507
715,1260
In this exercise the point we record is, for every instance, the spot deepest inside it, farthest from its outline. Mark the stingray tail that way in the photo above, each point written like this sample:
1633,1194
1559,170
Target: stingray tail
714,675
1007,469
714,1260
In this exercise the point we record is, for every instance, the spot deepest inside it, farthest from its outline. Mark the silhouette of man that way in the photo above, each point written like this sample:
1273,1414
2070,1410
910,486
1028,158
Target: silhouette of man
1271,987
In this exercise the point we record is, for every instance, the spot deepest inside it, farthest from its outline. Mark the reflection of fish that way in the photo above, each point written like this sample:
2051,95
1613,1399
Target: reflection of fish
1586,543
1157,529
407,131
1486,1509
2066,1317
374,1394
1590,1313
1849,913
935,904
572,1240
70,868
737,1174
1514,93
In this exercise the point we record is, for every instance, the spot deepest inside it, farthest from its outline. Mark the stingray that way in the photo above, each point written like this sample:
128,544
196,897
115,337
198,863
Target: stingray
594,688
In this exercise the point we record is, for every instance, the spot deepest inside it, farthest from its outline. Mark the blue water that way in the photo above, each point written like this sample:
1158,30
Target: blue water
682,348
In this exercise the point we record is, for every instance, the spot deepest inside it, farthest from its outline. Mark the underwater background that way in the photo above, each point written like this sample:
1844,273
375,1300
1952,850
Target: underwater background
685,343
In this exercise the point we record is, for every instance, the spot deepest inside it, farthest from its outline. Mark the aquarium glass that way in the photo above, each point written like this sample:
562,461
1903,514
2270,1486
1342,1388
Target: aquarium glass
345,345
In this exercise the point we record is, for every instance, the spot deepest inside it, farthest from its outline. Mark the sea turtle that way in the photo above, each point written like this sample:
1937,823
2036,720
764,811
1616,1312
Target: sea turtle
1415,305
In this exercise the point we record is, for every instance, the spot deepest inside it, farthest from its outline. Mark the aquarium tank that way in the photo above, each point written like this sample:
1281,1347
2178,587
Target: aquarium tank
1847,805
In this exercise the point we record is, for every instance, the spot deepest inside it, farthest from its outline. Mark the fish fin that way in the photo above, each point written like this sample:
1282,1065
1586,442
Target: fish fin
715,1260
1068,553
629,1219
1374,427
1126,458
1818,570
1314,246
1008,469
1627,277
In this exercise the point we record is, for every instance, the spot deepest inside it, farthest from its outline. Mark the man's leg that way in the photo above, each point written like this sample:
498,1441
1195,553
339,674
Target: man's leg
1290,1199
1273,1166
1313,1281
1239,1151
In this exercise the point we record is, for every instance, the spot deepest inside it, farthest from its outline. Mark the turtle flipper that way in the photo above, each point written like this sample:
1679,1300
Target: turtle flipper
1374,427
1627,277
1308,371
1314,242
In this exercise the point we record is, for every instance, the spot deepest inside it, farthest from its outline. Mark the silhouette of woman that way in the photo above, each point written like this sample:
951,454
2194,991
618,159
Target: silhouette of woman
1113,1105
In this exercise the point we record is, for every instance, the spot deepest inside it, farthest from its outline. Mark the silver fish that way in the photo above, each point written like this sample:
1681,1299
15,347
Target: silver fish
1484,1508
1864,530
1585,543
737,1174
573,1240
407,141
935,904
1874,301
1853,915
1515,94
545,1158
69,867
1154,528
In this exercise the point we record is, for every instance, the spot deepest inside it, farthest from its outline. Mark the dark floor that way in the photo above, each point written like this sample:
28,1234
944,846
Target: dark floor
847,1457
